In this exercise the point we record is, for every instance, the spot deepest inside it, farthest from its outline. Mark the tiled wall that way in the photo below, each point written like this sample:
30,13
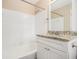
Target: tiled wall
18,28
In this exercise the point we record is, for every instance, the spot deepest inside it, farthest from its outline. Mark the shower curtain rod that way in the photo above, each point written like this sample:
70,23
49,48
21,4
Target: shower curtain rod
33,5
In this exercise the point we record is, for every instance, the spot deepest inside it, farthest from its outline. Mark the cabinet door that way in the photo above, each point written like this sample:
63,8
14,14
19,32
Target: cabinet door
73,54
55,54
42,52
72,50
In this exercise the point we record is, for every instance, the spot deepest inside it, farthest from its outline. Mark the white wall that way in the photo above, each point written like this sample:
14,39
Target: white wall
73,20
18,28
41,23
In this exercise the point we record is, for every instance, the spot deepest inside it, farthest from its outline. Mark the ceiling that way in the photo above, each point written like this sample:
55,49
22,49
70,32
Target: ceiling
32,1
60,3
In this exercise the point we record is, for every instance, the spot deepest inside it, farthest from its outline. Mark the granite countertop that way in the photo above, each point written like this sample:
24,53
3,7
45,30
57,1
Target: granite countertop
57,37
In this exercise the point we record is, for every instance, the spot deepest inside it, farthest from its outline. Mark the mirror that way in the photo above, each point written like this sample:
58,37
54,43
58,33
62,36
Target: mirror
60,15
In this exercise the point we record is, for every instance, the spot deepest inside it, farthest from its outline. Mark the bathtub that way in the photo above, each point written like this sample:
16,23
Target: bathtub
21,51
30,55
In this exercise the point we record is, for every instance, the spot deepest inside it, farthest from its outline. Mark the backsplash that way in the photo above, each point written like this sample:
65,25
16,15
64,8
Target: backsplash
63,33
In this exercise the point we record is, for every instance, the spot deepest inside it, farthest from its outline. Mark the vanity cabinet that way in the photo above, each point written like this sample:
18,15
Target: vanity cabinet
50,49
45,52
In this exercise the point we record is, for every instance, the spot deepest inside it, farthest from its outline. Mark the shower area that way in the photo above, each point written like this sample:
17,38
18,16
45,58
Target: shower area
18,26
18,34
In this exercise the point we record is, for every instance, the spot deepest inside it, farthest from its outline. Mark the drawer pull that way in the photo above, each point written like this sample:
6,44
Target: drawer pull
73,46
47,49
